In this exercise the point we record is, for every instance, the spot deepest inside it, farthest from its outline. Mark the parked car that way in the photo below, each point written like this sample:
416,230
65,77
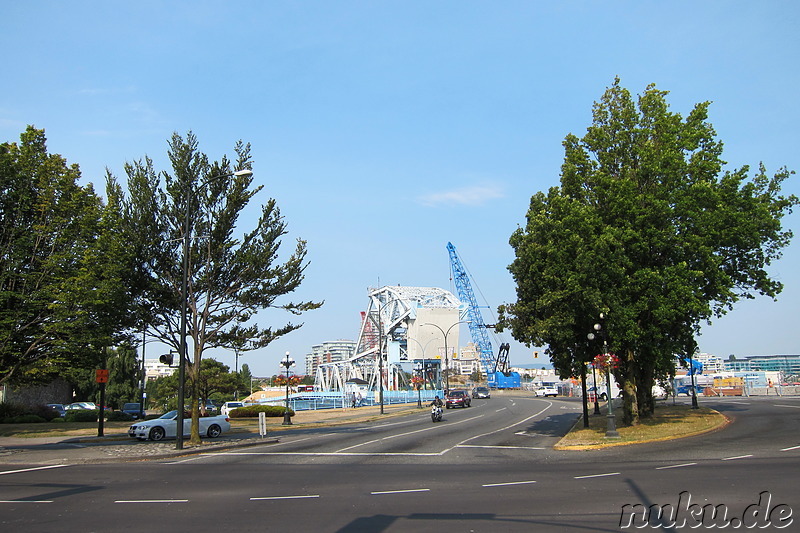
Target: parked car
166,426
546,391
59,408
481,392
227,407
81,405
457,398
133,409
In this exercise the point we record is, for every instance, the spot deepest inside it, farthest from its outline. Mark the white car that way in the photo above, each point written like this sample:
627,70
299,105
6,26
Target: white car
227,407
165,427
547,391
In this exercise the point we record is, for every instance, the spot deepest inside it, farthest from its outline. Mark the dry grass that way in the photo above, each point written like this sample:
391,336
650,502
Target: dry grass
668,422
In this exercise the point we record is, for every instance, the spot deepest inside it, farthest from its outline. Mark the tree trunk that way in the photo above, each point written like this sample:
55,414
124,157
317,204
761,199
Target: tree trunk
630,415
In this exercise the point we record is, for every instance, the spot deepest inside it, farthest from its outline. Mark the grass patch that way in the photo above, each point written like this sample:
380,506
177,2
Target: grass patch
668,422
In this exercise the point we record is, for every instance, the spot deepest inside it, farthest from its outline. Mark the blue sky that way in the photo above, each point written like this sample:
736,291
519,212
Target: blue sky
386,129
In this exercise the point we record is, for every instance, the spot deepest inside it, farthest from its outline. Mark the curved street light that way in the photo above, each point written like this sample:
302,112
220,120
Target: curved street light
184,298
446,355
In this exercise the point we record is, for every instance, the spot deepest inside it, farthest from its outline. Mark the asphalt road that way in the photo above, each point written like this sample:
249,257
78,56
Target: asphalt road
490,467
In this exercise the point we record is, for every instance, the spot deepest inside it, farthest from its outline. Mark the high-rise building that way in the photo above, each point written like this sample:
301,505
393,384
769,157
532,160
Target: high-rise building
329,352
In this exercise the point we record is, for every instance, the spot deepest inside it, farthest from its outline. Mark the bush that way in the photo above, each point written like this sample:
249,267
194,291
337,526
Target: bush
252,411
10,410
26,419
118,416
58,420
81,415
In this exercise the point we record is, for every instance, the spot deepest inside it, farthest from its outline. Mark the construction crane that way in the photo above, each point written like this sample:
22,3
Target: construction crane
496,369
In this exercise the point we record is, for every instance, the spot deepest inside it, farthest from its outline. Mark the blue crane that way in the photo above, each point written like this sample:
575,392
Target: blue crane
495,368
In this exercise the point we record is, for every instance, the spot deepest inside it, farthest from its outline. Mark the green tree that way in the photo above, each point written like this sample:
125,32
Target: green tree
649,229
245,379
124,374
232,275
62,295
215,377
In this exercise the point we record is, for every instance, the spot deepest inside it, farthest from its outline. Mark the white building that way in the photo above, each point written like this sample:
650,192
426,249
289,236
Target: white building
329,352
154,369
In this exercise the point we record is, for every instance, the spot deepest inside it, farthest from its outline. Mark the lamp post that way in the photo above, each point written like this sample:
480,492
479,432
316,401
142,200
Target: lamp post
422,368
185,299
287,362
611,428
594,378
694,389
446,354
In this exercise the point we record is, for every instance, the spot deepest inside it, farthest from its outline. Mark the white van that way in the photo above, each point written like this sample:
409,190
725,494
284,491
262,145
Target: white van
227,407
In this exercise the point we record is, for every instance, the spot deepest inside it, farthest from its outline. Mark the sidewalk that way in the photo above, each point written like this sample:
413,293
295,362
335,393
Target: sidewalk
116,446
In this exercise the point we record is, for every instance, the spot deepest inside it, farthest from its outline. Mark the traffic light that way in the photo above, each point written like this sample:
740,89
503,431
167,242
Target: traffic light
166,359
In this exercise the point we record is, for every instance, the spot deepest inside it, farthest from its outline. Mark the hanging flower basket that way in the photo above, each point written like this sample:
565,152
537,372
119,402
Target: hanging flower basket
417,381
606,361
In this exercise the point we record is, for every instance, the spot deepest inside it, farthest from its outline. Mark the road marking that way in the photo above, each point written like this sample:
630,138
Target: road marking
789,449
151,501
597,475
335,454
31,469
26,501
501,447
737,457
284,497
675,466
792,406
501,409
508,483
377,492
550,404
431,428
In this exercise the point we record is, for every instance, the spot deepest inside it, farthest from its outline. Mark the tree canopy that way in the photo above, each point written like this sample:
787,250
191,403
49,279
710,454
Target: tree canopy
64,294
648,228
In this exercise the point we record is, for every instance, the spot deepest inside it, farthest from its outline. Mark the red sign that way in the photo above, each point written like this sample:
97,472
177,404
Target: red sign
101,375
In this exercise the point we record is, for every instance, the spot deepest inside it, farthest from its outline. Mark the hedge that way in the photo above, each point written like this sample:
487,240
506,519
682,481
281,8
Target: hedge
251,411
81,415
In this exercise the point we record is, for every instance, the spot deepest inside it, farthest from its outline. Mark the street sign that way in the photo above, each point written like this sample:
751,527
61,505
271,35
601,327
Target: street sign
101,375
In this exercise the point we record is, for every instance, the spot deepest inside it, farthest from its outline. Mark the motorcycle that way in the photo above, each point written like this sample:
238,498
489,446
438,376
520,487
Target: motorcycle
436,414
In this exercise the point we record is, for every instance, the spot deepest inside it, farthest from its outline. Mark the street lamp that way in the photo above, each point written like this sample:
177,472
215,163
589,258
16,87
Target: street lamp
185,298
446,355
287,362
611,428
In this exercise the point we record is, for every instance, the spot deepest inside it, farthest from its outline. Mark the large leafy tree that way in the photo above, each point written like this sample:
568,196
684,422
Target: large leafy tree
63,294
648,228
232,274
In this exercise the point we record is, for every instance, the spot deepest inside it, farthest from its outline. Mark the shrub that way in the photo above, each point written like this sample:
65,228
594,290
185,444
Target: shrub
10,410
27,419
118,416
251,411
58,420
81,415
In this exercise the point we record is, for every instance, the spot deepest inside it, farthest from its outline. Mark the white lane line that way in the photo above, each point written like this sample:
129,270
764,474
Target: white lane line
284,497
675,466
534,415
378,492
501,409
31,469
26,501
500,447
508,483
598,475
789,449
431,428
737,457
792,406
335,454
151,501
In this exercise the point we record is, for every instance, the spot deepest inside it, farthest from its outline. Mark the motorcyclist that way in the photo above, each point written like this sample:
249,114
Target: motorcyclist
437,402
